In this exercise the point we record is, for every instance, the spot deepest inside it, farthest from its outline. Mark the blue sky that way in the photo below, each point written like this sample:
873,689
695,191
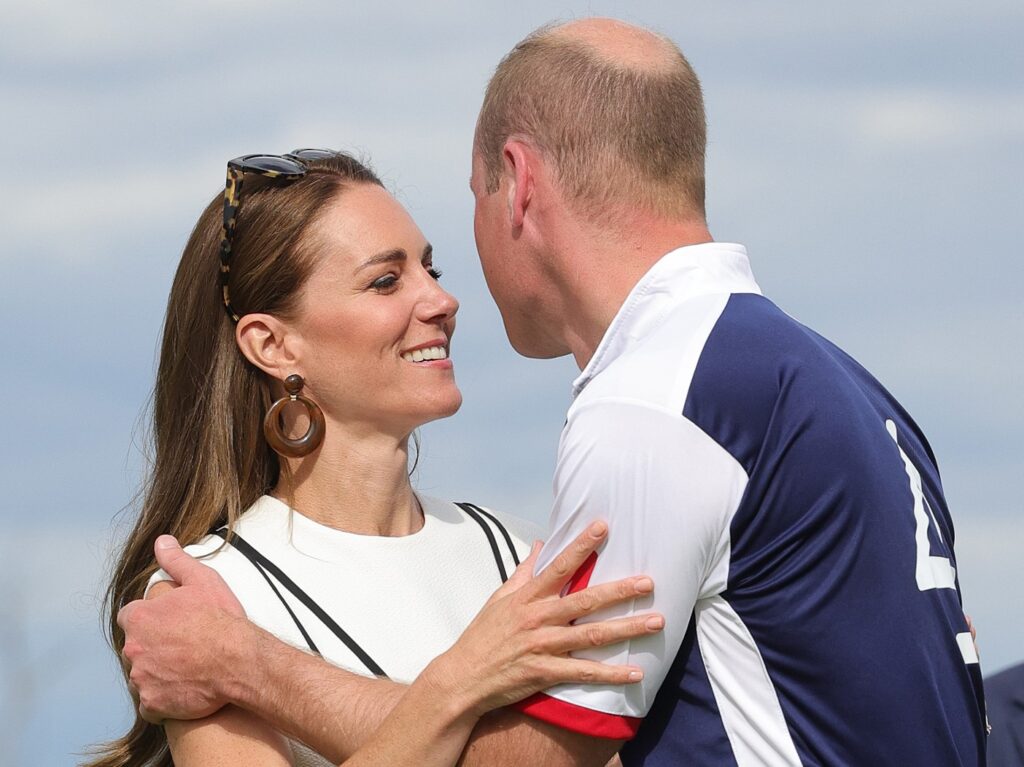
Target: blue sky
868,155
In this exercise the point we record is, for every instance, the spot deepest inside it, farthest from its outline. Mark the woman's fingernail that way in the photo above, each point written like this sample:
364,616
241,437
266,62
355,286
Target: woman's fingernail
598,529
644,586
655,623
636,676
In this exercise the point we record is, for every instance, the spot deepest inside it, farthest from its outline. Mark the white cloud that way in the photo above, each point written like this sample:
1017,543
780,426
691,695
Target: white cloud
77,218
923,120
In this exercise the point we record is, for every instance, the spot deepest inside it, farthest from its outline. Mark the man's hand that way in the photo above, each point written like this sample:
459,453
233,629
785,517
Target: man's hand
181,641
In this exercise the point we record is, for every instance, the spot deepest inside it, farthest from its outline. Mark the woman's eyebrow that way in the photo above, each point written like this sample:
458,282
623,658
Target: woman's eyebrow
397,255
388,256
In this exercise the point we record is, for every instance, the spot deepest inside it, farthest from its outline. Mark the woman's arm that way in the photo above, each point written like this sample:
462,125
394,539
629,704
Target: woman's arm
519,643
229,736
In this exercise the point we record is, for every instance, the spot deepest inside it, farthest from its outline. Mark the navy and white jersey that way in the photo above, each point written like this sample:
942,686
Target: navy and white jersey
791,516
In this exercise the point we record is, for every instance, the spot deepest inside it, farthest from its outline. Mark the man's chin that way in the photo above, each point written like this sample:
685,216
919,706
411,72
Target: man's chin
536,348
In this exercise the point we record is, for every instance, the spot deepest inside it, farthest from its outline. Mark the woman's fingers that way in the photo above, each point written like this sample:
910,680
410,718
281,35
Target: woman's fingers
523,574
570,670
594,598
584,636
553,577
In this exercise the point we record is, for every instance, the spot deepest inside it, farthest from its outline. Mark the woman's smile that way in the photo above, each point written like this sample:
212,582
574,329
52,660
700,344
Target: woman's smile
372,297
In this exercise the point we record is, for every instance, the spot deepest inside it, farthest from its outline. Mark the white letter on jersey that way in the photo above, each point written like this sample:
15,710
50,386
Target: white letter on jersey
932,572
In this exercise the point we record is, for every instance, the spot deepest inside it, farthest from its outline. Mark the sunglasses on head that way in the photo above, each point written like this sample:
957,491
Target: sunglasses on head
278,167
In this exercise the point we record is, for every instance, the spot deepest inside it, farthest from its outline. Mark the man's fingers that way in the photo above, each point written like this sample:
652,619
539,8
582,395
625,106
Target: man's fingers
551,579
150,716
125,614
176,563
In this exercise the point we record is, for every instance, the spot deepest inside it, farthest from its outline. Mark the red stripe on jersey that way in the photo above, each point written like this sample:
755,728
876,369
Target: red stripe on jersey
585,721
581,578
569,716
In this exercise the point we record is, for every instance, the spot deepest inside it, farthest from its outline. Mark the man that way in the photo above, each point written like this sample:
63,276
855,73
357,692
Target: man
1005,703
787,507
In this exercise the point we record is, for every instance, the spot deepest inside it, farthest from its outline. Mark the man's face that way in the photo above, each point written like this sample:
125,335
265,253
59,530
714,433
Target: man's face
512,266
487,223
493,241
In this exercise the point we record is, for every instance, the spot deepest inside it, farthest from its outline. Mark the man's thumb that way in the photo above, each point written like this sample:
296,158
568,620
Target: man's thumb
175,562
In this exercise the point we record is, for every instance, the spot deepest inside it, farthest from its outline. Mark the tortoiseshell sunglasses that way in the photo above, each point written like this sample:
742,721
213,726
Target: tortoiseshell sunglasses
282,167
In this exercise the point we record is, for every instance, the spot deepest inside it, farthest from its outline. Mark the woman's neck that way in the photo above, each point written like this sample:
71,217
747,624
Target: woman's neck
356,483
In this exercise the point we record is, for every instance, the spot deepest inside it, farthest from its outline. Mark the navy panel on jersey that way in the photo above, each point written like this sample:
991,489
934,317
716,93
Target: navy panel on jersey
684,719
825,561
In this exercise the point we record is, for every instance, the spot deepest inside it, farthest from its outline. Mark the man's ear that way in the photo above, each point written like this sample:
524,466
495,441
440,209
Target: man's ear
520,164
264,340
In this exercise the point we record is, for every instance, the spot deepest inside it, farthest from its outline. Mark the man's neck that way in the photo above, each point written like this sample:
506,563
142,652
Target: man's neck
603,267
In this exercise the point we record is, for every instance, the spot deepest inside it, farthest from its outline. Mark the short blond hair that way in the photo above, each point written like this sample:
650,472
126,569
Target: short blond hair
615,134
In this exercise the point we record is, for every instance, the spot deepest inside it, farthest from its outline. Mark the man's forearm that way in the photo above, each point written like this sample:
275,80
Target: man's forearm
331,710
346,716
336,712
505,737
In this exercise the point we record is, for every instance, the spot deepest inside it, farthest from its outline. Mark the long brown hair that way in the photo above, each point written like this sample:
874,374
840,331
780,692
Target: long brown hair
210,461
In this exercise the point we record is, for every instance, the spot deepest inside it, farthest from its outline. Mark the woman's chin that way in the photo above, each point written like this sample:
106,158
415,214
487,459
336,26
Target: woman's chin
447,409
439,410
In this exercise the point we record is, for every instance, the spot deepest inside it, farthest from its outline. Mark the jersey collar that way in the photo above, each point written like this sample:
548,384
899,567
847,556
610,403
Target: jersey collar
681,274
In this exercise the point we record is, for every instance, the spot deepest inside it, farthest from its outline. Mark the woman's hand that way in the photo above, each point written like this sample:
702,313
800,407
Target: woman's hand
519,642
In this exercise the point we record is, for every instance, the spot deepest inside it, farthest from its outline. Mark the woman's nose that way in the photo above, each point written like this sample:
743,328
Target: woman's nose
439,303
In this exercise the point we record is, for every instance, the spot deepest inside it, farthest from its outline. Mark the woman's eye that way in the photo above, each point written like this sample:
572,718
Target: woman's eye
435,273
385,284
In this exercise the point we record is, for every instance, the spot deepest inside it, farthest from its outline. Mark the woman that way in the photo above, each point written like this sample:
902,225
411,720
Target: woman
323,312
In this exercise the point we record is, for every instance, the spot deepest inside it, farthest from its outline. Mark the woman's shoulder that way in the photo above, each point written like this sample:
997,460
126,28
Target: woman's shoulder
523,531
256,523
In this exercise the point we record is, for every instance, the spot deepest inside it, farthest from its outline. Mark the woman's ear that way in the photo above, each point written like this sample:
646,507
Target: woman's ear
264,340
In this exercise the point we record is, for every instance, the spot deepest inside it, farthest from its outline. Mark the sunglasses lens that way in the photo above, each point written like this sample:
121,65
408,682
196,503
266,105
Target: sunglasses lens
273,163
312,154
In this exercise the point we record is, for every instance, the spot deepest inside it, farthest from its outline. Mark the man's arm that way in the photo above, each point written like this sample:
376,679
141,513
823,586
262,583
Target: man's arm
668,492
192,650
516,645
507,737
335,712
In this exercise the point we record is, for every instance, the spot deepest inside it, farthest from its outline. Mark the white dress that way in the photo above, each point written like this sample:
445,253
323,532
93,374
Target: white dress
395,603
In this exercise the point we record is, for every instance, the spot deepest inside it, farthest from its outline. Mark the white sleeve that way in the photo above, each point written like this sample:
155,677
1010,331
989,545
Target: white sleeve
668,492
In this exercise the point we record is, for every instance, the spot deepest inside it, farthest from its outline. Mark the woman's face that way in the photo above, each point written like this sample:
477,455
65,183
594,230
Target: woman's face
373,328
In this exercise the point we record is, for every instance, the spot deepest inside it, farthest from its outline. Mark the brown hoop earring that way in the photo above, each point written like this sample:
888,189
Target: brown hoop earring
308,442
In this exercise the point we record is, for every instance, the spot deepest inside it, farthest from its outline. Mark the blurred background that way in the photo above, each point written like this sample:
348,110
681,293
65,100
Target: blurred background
869,155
